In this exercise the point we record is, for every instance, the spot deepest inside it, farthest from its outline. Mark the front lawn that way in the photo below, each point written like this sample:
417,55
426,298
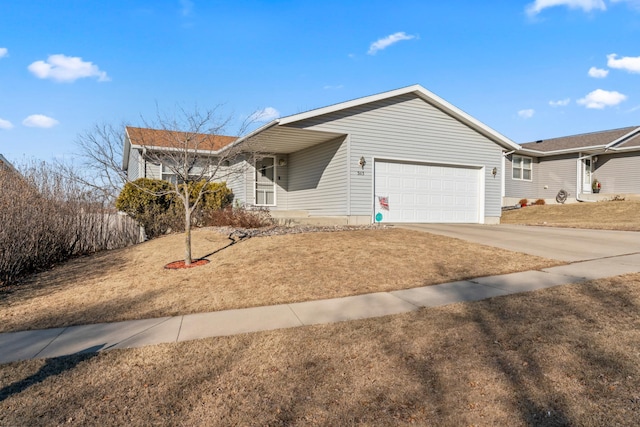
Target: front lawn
621,215
131,283
560,356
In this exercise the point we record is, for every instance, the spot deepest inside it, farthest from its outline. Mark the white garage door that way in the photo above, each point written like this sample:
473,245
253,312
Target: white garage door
414,192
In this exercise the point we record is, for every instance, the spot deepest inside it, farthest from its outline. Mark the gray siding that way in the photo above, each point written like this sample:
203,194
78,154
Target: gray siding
133,171
153,171
618,173
234,176
556,173
407,127
520,188
316,179
282,182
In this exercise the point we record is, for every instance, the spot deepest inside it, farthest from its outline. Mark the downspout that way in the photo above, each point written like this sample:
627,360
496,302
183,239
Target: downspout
503,165
144,159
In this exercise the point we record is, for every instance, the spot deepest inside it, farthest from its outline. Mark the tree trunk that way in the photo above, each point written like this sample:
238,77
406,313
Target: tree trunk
187,229
187,239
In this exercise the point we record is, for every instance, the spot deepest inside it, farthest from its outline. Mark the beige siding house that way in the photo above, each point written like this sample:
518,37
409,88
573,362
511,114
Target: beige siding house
405,155
592,166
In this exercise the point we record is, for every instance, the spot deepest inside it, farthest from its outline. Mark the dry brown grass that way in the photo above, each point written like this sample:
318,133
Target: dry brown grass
561,356
132,284
621,215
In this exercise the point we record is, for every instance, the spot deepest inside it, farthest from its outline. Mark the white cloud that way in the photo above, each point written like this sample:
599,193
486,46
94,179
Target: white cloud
600,99
265,115
388,41
586,5
39,121
560,103
627,63
598,73
526,114
4,52
62,68
330,87
5,124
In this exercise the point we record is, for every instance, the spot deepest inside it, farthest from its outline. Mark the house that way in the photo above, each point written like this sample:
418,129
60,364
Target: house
405,155
143,148
5,164
540,169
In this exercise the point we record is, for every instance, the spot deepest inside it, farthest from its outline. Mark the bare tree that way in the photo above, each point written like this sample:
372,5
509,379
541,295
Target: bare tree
100,150
189,147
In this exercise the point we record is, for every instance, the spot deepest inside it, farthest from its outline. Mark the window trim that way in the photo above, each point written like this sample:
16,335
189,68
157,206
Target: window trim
521,168
255,182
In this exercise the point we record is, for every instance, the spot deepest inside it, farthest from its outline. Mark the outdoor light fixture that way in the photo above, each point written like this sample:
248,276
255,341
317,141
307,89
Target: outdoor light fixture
595,159
362,162
282,162
494,171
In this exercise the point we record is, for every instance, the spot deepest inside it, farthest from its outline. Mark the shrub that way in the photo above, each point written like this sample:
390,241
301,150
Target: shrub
539,202
217,196
150,203
153,204
239,217
46,217
523,202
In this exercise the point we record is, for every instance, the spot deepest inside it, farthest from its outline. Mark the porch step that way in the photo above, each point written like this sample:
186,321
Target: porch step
609,196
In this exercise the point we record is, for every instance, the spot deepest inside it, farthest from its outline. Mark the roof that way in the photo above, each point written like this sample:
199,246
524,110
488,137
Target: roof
608,139
5,164
280,136
175,139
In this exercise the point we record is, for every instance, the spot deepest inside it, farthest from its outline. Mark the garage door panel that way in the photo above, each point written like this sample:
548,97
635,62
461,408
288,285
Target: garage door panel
427,193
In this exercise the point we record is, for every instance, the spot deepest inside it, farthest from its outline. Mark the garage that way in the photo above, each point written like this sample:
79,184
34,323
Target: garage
428,193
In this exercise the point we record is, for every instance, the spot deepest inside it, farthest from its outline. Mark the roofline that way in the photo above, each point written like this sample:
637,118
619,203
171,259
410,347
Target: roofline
623,149
564,151
423,93
159,148
248,136
622,138
126,149
604,147
4,160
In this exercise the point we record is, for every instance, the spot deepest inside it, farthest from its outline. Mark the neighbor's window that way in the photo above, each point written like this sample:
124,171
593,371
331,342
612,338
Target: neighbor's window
521,168
168,174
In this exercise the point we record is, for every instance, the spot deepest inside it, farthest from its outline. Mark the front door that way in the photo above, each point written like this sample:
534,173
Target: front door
265,183
587,170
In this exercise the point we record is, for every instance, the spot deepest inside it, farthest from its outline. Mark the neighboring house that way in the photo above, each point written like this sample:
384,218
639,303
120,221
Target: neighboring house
405,155
5,164
139,143
539,170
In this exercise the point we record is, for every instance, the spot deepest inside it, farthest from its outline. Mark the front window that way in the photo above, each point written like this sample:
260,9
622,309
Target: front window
521,168
168,174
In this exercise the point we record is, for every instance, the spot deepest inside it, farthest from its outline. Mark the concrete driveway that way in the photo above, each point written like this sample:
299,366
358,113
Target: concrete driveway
565,244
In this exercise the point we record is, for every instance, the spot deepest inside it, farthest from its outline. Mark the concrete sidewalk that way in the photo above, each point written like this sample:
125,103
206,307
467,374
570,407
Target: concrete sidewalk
56,342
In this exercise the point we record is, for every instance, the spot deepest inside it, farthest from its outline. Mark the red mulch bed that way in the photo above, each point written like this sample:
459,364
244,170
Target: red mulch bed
176,265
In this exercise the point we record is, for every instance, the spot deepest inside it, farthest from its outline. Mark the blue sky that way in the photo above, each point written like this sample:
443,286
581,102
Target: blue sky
529,69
